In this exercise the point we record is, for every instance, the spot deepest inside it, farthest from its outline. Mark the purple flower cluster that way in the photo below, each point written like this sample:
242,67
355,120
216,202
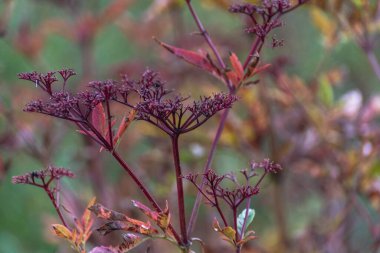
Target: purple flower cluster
264,17
45,81
169,113
46,176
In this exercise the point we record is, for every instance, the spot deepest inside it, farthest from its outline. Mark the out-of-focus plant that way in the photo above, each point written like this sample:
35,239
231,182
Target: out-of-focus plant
148,99
357,20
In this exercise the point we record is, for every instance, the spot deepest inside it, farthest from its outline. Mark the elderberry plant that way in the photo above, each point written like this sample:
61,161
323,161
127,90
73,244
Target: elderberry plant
91,112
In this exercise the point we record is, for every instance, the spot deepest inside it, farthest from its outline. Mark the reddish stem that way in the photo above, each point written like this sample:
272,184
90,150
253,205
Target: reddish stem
210,156
209,41
143,189
53,201
180,192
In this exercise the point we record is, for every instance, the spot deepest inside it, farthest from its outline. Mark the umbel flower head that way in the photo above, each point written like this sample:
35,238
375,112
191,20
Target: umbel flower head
264,17
155,104
45,176
170,113
215,187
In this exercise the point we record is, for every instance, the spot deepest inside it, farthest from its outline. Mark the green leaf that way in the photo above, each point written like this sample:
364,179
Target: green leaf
326,92
240,219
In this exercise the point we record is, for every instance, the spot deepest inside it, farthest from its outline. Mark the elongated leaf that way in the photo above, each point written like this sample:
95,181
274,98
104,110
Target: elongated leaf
241,218
161,219
105,213
125,122
252,71
237,66
62,231
200,60
130,241
98,119
134,226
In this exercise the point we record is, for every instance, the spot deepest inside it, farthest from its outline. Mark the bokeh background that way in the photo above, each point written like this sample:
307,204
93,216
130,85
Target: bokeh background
315,111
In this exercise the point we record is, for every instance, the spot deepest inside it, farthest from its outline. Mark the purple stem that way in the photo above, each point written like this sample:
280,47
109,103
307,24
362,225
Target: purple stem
249,205
209,41
54,202
198,199
144,190
180,193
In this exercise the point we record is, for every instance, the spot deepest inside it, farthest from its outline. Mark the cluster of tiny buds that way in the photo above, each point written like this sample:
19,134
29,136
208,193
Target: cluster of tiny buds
51,173
264,17
45,81
154,106
268,7
268,165
213,182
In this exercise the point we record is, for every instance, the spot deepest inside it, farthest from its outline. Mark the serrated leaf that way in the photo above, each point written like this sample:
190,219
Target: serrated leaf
105,213
134,226
242,217
62,231
130,241
161,219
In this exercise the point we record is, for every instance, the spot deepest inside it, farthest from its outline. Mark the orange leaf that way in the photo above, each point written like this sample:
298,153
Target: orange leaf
125,122
237,67
254,71
105,213
98,119
62,231
161,219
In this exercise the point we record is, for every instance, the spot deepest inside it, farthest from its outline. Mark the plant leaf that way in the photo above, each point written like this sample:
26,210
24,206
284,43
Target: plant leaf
107,214
98,119
252,71
236,75
62,231
228,232
130,241
125,122
132,225
161,219
241,218
200,60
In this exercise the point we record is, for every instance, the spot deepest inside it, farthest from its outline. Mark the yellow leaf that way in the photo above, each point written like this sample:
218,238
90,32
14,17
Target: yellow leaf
62,231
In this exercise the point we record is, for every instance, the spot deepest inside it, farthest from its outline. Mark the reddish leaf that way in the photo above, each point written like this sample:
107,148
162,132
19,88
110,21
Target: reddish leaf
130,241
236,65
98,119
200,60
254,71
131,225
125,122
121,222
161,219
105,213
228,232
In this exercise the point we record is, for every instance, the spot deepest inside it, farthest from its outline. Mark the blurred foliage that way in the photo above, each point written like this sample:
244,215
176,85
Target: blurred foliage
315,111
